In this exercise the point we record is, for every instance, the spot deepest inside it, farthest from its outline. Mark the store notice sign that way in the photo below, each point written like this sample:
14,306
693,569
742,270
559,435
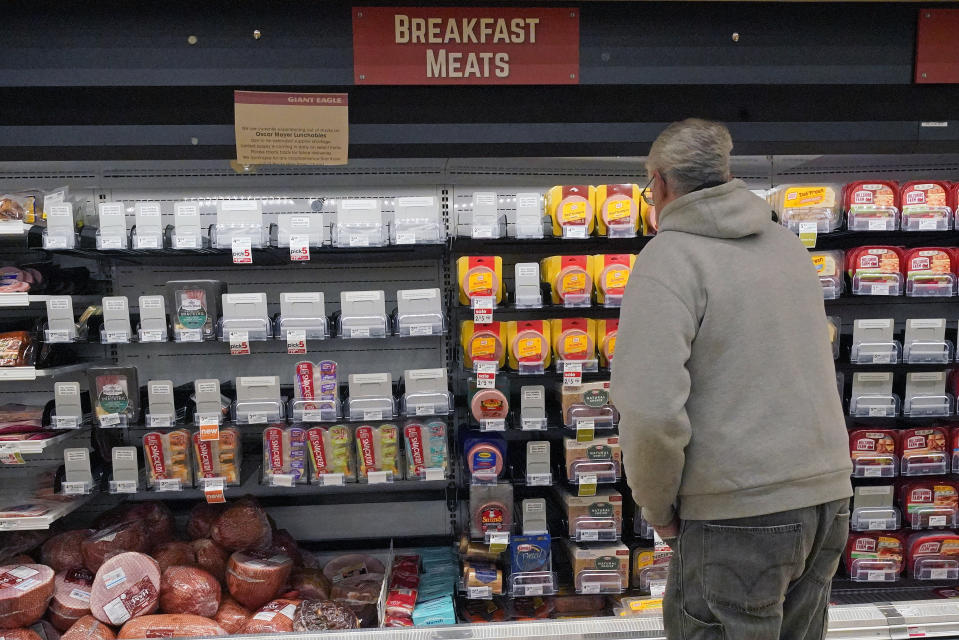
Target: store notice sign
291,128
465,45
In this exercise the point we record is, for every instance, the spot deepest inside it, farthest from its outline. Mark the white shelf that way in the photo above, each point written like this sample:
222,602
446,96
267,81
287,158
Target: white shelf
57,511
32,373
27,447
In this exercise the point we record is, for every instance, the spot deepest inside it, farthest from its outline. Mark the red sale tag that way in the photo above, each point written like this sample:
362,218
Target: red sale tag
485,375
572,374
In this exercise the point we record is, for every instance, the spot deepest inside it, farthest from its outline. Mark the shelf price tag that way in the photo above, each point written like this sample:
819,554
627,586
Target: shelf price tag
532,590
239,343
485,375
572,374
19,299
876,576
587,485
152,336
481,231
808,232
331,479
876,524
299,248
479,593
359,240
434,473
168,484
498,541
57,336
483,309
539,479
939,574
189,335
110,420
242,251
74,488
282,480
10,454
66,422
493,424
877,224
405,237
657,588
379,477
296,341
161,421
585,429
589,535
123,486
574,231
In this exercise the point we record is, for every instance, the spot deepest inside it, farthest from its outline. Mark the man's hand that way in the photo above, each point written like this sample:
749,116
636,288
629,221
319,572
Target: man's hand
670,531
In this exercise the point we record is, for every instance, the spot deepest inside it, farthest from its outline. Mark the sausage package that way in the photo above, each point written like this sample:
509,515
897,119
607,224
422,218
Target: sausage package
483,343
16,349
574,339
618,210
600,457
930,504
930,271
377,449
529,345
933,556
923,451
115,395
570,279
599,568
167,457
594,518
875,270
588,401
479,277
571,209
871,205
875,556
926,206
284,455
332,451
874,453
611,273
426,448
218,458
808,203
829,267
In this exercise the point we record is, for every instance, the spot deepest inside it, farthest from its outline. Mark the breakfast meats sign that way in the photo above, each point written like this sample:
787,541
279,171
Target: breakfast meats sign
465,45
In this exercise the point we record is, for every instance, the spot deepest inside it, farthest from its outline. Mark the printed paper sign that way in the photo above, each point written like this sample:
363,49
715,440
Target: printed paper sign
291,128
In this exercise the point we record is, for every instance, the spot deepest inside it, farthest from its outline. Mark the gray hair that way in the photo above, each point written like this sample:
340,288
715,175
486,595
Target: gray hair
691,153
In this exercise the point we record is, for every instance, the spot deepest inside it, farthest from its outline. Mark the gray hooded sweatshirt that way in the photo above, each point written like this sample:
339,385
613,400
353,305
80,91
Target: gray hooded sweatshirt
723,374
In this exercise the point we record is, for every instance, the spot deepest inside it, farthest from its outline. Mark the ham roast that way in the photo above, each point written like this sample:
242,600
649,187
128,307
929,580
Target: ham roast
124,536
25,592
89,628
242,526
71,597
231,615
189,590
211,557
254,578
126,586
170,554
62,551
171,625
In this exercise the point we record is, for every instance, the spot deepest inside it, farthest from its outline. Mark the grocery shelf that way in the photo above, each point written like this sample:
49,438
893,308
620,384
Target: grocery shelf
851,300
591,245
32,373
26,447
57,510
26,299
509,312
851,239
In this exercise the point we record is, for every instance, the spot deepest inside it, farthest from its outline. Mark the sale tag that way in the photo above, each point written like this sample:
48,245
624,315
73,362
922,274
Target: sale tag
808,232
296,341
587,485
209,432
242,251
299,248
572,374
483,309
498,541
239,343
585,429
485,375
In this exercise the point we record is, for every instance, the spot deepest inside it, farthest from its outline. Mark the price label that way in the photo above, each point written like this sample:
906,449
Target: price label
872,472
498,541
485,375
879,289
533,590
434,473
939,574
312,415
539,479
587,485
424,410
585,430
405,237
881,358
168,484
189,335
421,329
877,412
255,418
928,224
574,231
123,486
66,422
239,343
296,341
483,309
532,424
657,588
875,576
152,336
299,248
55,336
479,593
9,455
116,337
282,480
877,224
379,477
481,231
55,242
493,424
359,332
111,242
808,232
209,432
161,421
110,420
372,414
242,251
331,479
937,521
877,524
589,535
572,374
74,488
590,588
359,240
148,242
185,242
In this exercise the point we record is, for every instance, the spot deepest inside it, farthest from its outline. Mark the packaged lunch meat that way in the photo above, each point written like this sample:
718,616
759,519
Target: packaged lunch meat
195,306
316,390
115,395
930,271
797,204
874,452
480,573
529,345
219,458
426,448
923,451
485,457
611,273
594,518
16,349
284,455
489,404
933,556
331,451
377,449
829,267
929,504
926,206
606,331
618,210
599,568
15,207
491,509
571,209
875,555
167,457
875,270
871,205
601,457
483,343
570,279
480,277
574,339
588,401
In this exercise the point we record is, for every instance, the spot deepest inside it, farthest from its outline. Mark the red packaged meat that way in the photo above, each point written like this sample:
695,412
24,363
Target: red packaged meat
126,536
324,615
933,556
875,271
170,554
926,206
352,564
397,620
871,205
310,584
232,616
71,597
874,556
21,634
16,349
923,451
242,526
25,592
171,625
359,589
155,515
274,617
189,590
874,453
89,628
255,577
202,517
126,586
400,602
211,557
930,272
930,504
62,551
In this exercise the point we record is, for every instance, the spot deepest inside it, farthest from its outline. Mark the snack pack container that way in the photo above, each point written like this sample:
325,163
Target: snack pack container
427,450
923,451
818,204
929,504
332,452
927,205
167,460
378,451
874,453
930,272
871,205
933,556
194,308
316,395
829,267
875,556
876,270
284,456
218,458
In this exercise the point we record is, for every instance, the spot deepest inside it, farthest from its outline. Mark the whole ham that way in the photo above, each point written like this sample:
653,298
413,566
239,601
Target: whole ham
242,526
254,578
127,585
231,615
284,543
202,517
125,536
21,634
25,592
189,590
174,553
171,625
71,597
211,557
274,617
62,551
89,628
156,516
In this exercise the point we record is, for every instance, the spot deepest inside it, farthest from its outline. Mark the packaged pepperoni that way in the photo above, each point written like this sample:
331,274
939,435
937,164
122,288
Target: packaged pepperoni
875,556
871,205
923,451
529,345
611,273
571,209
876,270
930,271
926,206
874,453
480,277
618,210
930,504
933,556
483,343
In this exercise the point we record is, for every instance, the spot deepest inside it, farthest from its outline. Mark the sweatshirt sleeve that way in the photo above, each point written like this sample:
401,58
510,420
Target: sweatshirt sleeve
649,386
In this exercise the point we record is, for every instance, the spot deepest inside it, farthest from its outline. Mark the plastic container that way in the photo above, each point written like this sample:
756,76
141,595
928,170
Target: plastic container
598,460
926,206
829,266
219,458
115,395
378,453
427,450
933,556
874,453
874,556
871,205
930,504
284,456
167,456
923,451
797,204
332,454
491,510
876,270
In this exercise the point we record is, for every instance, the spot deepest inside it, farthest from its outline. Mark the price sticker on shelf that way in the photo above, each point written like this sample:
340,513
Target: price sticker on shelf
242,251
359,332
483,309
116,337
498,541
479,593
590,588
481,231
937,521
882,358
168,484
111,242
431,474
57,336
928,224
299,248
877,224
185,242
74,488
152,336
425,410
657,588
405,237
421,330
11,455
574,231
161,420
939,574
359,240
189,335
123,486
331,479
808,232
239,343
587,485
877,524
296,341
572,374
876,576
589,535
539,479
879,289
255,418
379,477
66,422
532,590
110,420
485,375
55,242
282,480
148,242
585,429
493,424
878,412
372,414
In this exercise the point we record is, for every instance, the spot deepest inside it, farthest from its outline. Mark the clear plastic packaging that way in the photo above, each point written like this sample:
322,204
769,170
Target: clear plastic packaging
874,453
299,226
360,223
924,452
115,395
303,311
419,312
797,204
933,556
485,220
875,271
925,342
61,230
148,231
316,396
245,313
371,397
930,272
875,519
112,232
873,342
872,396
599,568
875,557
427,451
930,504
596,518
239,220
218,459
425,393
284,456
332,454
194,308
378,453
258,400
871,205
61,325
491,510
167,456
926,206
829,266
363,315
417,221
926,396
187,233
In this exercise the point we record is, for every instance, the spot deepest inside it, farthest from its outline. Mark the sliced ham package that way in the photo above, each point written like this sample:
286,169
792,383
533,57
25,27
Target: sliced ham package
189,590
125,536
171,625
71,597
126,586
89,628
231,615
255,578
25,592
242,526
274,617
62,551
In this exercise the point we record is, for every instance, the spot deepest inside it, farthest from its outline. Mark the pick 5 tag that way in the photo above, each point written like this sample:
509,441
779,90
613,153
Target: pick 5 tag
242,251
299,248
239,343
296,341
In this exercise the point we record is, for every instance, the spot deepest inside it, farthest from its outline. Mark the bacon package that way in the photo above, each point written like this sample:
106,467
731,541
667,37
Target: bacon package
483,343
874,453
377,449
808,203
829,267
167,457
570,279
875,270
115,394
611,273
617,210
16,349
331,451
571,210
873,556
871,205
923,451
426,448
574,339
929,504
480,277
218,458
926,206
529,345
930,271
284,454
933,556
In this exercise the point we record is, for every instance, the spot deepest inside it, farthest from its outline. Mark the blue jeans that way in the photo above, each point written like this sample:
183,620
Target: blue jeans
760,578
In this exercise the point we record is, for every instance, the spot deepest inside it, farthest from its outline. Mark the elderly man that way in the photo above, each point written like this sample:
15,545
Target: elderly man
733,434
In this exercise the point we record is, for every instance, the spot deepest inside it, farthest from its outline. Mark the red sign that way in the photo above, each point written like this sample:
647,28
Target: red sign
937,57
465,45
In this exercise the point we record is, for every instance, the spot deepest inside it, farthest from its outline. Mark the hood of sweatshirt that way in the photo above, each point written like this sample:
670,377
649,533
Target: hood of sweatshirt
727,211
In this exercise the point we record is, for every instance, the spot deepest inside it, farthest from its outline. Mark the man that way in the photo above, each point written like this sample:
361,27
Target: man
733,434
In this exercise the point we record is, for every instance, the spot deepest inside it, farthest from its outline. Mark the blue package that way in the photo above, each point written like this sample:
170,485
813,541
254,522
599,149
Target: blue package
529,553
433,612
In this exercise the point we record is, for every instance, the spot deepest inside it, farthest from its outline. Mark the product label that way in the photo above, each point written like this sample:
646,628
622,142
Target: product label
300,248
575,343
615,280
482,346
114,578
480,283
596,398
617,209
573,283
242,251
529,348
573,210
801,197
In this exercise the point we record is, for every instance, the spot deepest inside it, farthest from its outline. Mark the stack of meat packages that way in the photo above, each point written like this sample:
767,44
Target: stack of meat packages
130,577
401,598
